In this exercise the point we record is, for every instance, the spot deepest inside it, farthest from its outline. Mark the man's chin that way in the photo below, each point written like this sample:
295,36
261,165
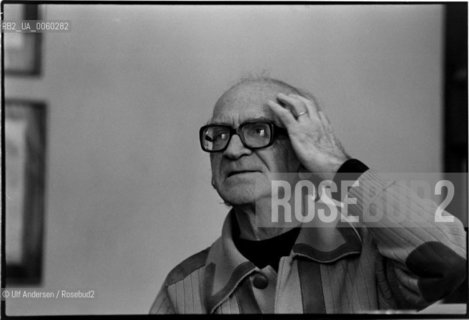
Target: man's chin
240,197
237,196
238,200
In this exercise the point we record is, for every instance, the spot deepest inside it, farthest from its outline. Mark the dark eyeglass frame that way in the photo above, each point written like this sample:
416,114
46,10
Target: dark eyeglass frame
275,130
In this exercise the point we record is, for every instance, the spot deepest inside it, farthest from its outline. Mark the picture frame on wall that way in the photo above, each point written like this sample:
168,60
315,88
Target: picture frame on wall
22,49
25,151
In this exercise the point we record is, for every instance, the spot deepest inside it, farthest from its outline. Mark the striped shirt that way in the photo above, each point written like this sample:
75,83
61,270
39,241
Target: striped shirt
355,267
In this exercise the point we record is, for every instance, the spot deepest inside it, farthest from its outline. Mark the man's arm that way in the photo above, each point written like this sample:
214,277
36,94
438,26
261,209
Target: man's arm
424,259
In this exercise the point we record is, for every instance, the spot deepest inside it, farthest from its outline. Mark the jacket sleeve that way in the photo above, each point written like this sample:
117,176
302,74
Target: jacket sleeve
162,303
424,260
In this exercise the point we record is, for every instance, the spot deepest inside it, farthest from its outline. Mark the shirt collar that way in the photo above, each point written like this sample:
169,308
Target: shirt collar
226,267
325,243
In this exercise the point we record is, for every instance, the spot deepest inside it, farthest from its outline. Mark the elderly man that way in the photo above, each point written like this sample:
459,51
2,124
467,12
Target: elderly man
263,130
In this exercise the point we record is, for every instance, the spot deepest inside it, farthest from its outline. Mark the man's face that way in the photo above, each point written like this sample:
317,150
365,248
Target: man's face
239,174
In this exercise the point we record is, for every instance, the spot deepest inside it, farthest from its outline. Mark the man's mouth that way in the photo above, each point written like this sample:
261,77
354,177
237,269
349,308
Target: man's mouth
232,173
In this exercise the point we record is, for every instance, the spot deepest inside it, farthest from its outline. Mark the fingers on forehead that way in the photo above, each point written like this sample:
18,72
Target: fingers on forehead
292,103
285,116
311,105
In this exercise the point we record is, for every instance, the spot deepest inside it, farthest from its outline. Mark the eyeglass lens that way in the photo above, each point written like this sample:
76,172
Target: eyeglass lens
253,135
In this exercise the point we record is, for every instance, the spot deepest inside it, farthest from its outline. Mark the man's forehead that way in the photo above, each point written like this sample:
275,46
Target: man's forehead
245,102
237,118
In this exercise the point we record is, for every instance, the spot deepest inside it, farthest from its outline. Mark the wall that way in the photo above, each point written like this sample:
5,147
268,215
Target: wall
128,190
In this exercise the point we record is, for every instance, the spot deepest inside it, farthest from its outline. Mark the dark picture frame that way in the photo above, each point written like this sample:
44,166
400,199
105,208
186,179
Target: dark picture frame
22,50
25,151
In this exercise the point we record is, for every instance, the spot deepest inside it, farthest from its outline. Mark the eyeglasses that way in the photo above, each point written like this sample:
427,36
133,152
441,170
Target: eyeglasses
253,135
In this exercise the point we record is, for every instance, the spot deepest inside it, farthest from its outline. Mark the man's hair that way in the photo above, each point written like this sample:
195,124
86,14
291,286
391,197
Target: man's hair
269,82
261,79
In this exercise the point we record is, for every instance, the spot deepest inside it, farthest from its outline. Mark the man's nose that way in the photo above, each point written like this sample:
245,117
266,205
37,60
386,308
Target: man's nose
236,148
